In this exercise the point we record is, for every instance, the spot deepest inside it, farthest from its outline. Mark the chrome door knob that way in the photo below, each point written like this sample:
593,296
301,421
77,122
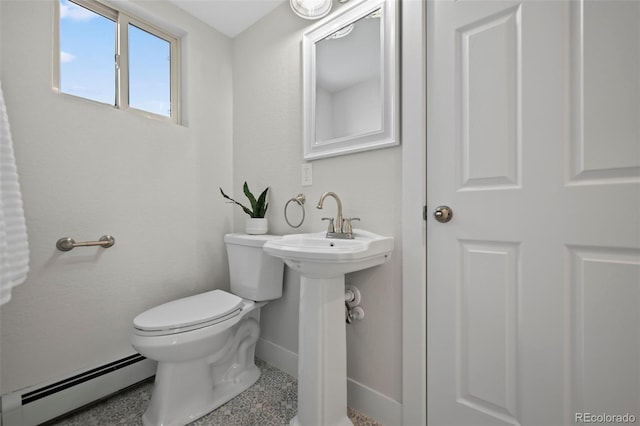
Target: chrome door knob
443,214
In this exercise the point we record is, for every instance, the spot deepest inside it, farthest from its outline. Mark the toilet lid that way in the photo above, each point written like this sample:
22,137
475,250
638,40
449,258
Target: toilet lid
189,311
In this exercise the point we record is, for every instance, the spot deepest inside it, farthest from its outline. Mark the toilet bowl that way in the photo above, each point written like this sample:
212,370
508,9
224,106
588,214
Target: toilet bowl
205,344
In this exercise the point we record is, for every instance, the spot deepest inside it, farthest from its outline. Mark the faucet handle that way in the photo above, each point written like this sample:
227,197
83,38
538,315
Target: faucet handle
348,220
331,227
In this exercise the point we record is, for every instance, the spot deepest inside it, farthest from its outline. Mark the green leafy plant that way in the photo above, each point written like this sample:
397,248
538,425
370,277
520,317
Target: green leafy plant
258,206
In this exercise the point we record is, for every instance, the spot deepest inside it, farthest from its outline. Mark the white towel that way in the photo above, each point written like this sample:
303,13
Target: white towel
14,246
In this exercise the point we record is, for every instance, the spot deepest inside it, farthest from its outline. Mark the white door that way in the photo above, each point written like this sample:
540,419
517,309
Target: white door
534,142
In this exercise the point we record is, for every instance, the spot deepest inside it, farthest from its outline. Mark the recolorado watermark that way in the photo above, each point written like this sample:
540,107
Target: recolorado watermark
604,418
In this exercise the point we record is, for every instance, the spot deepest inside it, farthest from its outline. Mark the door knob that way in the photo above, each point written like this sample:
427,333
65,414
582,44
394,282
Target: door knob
443,214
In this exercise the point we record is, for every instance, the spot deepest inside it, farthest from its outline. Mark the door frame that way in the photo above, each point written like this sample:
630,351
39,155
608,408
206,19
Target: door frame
414,190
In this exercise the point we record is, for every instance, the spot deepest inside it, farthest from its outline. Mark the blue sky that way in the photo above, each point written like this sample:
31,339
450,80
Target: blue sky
87,49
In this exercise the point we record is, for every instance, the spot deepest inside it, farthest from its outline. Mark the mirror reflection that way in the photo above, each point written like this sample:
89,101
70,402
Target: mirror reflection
349,80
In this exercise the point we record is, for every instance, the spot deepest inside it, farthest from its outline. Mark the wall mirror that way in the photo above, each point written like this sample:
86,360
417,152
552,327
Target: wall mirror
350,86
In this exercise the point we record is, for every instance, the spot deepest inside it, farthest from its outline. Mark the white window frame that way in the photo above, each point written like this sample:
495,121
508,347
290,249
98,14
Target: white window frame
121,61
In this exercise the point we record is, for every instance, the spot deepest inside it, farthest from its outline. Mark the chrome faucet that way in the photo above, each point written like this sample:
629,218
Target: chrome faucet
337,229
338,223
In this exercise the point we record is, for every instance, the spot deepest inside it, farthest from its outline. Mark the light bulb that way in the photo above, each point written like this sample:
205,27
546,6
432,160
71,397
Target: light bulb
311,9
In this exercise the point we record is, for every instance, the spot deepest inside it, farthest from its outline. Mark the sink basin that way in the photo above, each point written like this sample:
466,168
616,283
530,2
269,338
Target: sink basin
315,256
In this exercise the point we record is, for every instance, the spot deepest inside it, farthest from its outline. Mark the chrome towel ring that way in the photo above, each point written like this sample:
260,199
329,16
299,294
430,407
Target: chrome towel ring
299,199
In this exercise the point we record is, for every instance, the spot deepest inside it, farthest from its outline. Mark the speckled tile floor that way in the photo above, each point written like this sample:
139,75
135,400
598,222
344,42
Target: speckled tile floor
272,400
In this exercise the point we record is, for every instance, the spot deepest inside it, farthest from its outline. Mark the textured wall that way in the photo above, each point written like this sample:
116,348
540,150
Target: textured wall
87,170
268,152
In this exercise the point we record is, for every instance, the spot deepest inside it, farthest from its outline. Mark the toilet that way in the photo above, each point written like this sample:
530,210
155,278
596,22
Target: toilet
205,344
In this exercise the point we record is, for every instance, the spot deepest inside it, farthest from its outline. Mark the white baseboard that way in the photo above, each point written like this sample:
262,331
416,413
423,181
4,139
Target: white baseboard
281,358
37,404
373,404
359,397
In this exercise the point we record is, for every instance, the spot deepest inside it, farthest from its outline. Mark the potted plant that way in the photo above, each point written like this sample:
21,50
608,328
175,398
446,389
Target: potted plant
257,223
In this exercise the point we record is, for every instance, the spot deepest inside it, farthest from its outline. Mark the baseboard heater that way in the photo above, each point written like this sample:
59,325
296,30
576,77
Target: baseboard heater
38,404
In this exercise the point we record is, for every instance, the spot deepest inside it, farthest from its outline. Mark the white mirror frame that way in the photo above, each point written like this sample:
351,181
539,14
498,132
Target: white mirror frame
388,135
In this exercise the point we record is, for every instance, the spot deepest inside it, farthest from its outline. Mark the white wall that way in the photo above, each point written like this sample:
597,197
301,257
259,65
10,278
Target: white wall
351,111
357,109
324,105
87,170
268,152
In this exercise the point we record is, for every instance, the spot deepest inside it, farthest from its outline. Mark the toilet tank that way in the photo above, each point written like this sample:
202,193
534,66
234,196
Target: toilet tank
253,274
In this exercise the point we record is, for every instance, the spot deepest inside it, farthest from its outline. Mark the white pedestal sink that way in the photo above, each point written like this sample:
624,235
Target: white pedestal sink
322,346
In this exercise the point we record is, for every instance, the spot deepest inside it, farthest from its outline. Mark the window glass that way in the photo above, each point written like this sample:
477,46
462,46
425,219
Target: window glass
87,52
149,72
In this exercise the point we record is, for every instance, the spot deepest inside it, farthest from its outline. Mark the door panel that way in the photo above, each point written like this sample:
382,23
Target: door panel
605,70
534,142
488,72
605,285
487,309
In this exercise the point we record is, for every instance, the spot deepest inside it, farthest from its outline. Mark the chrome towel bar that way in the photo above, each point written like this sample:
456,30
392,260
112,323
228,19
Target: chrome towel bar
67,243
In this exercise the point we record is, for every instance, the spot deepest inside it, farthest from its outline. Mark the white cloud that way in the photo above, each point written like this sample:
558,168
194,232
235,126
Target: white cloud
74,12
66,57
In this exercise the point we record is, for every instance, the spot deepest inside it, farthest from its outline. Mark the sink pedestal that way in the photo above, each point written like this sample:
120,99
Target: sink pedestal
322,354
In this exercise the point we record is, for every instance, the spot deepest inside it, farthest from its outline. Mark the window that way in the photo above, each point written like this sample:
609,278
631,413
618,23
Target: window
110,57
149,72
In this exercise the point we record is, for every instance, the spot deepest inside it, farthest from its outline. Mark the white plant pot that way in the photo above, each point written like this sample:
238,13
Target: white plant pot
256,226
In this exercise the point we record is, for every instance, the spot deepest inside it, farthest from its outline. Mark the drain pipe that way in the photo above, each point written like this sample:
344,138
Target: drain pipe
352,308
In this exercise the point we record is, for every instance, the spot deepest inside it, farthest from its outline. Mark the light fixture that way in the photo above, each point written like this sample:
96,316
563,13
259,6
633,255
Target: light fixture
342,32
311,9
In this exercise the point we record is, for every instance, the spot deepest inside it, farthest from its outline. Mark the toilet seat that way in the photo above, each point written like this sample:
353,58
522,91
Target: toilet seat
188,313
